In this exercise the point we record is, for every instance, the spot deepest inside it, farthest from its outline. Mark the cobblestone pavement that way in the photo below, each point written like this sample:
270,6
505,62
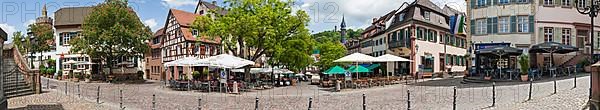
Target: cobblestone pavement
51,100
391,97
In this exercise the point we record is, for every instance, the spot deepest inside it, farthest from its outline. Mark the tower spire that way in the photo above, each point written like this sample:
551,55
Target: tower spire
44,11
343,30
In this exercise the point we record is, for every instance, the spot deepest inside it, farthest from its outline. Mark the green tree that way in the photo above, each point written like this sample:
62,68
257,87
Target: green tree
43,34
327,36
354,33
112,30
21,45
330,51
252,28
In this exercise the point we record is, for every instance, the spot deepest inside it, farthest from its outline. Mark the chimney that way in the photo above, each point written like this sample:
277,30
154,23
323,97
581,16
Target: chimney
214,2
374,19
335,29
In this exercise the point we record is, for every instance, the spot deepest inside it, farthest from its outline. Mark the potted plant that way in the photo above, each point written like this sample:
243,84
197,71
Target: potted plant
87,77
205,72
76,77
524,62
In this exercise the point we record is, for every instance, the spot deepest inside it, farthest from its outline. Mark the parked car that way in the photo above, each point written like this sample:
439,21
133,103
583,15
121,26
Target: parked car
314,79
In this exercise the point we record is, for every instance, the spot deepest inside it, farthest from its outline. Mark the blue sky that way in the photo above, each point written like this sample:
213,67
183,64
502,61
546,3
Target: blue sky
15,15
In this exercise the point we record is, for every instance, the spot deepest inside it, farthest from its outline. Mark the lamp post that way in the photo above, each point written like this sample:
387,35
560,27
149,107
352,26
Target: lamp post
591,11
31,49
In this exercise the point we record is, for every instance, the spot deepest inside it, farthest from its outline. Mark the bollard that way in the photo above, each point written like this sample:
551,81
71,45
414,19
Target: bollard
310,103
493,94
78,91
121,99
408,99
364,105
47,83
530,89
153,102
554,77
199,103
98,95
575,80
66,93
256,104
454,99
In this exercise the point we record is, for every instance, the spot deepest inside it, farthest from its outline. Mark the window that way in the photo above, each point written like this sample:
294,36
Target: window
419,33
481,3
548,2
581,3
401,17
427,62
548,34
503,1
566,3
522,24
522,1
503,25
194,32
481,27
566,36
426,15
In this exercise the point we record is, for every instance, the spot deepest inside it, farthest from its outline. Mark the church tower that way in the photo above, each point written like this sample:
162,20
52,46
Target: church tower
343,30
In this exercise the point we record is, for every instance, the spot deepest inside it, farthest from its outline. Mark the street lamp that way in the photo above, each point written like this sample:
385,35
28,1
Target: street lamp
591,11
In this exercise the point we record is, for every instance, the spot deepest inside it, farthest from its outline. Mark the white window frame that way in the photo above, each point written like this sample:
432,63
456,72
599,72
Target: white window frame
566,36
522,1
503,25
481,3
548,2
548,34
503,1
481,26
427,15
581,3
566,3
522,24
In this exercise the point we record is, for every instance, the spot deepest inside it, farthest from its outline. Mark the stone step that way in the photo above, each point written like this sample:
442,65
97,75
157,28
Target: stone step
16,88
13,94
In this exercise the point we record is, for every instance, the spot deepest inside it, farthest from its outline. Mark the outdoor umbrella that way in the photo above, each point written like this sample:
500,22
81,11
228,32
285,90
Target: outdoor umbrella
500,51
357,58
335,70
358,69
388,58
552,47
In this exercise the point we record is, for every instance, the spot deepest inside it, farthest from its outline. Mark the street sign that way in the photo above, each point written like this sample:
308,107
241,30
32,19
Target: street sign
223,75
348,76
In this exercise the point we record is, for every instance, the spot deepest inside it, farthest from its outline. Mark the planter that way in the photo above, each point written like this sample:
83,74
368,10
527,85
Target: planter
524,78
488,78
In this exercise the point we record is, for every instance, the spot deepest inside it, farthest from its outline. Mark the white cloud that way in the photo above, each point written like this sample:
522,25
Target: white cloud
9,30
177,3
31,21
151,23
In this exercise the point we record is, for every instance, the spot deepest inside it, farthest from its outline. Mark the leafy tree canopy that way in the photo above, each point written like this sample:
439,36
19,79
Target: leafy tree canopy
330,51
110,31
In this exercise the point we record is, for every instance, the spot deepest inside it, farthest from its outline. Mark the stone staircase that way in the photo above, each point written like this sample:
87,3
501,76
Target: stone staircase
14,83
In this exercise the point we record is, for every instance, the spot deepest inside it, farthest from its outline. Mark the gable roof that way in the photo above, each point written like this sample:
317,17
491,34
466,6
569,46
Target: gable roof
451,11
71,15
3,34
160,32
210,6
184,18
430,5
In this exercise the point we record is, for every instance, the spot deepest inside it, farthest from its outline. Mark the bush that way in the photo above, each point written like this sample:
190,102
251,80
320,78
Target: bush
77,76
42,69
196,75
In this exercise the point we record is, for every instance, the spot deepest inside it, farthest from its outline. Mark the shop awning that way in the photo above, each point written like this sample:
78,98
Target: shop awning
358,69
336,70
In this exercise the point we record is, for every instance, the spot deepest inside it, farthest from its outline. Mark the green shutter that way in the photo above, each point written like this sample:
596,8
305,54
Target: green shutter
557,34
488,2
489,25
531,23
495,25
588,2
472,27
513,24
495,2
557,2
435,37
419,33
473,4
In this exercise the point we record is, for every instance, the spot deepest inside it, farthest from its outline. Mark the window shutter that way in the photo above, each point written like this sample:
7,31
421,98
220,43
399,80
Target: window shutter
60,38
513,24
473,4
557,35
489,25
541,2
488,2
512,1
588,2
573,37
495,25
472,27
494,2
541,34
573,3
531,23
435,37
557,2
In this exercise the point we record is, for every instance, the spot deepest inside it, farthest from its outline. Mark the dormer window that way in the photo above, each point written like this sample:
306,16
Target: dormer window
201,12
401,17
426,15
194,32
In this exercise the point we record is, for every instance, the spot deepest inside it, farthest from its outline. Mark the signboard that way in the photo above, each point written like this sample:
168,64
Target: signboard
348,76
223,77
